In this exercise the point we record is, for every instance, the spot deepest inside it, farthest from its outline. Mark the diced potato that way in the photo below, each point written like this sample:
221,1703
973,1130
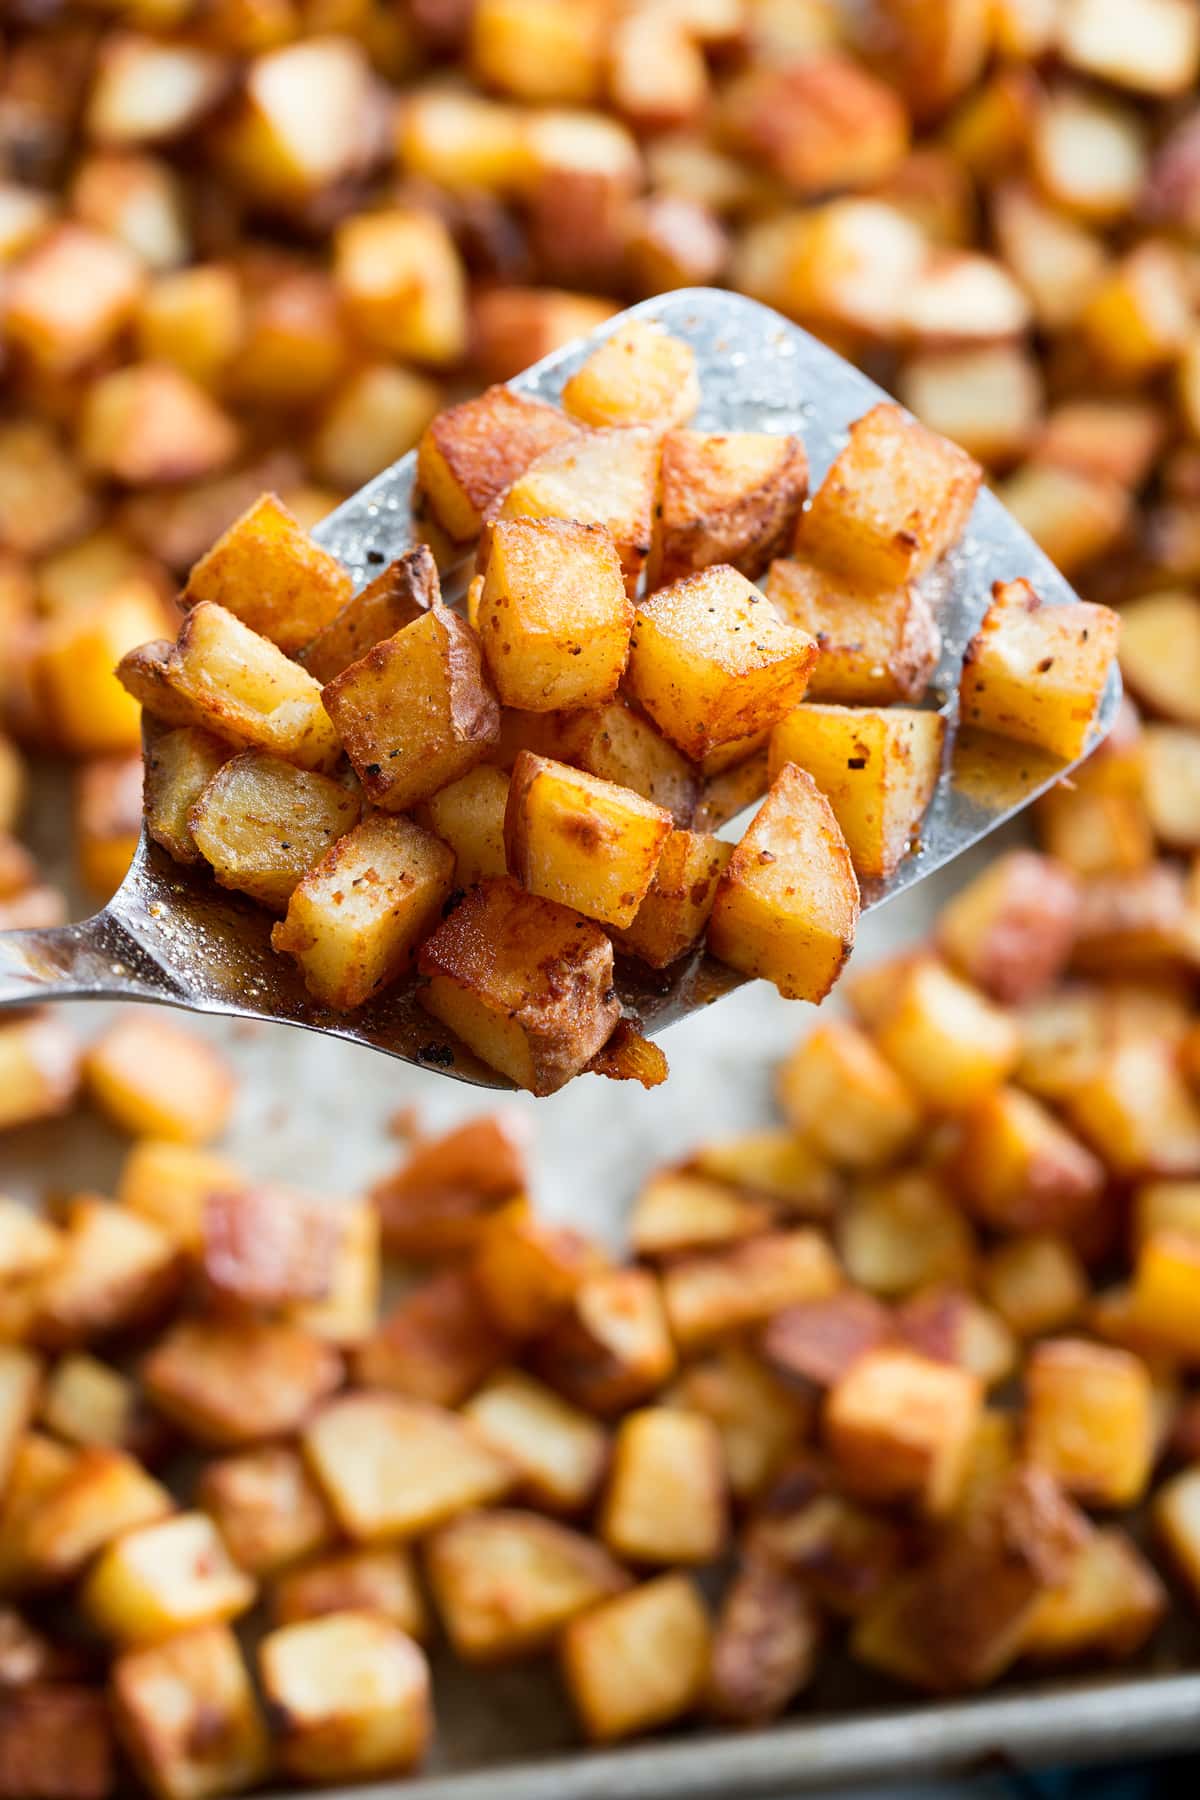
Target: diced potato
157,1080
618,744
381,1581
264,824
845,1554
676,906
1138,924
168,1184
877,768
813,1343
532,50
356,917
232,1382
264,1246
506,1582
951,1045
1010,929
87,1403
559,1450
271,575
103,1495
1088,154
468,815
1138,317
347,1311
638,1660
676,241
350,1694
952,1326
988,400
708,668
436,1202
607,478
899,1427
613,1348
39,1070
303,123
437,1344
899,1233
1006,685
89,711
400,279
715,1294
165,1577
580,841
676,1210
765,1648
38,1466
1134,1108
787,905
1073,514
29,1244
1088,1420
1172,1206
1110,1604
1094,832
1162,1302
266,1507
226,679
151,423
178,767
728,498
394,1468
818,122
1172,790
193,318
371,420
70,296
584,184
1158,52
525,983
641,375
777,1164
895,500
757,1417
187,1715
1160,653
513,327
528,1271
851,1105
554,619
472,452
1036,1283
44,496
398,596
1176,1512
116,1270
21,1375
1018,1170
56,1740
665,1501
877,645
416,711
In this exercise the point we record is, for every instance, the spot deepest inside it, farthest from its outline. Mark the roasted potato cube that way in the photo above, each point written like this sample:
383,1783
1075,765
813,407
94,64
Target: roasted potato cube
554,619
638,1660
437,1344
39,1070
436,1202
1110,1604
1089,1421
768,1635
116,1270
613,1348
226,679
69,297
951,1044
987,400
355,919
617,744
849,1103
559,822
607,478
150,423
1160,653
88,1403
29,1244
728,498
399,596
512,327
1088,153
102,1495
350,1694
1073,514
901,1232
786,907
266,1507
949,1325
1006,684
193,318
813,1343
559,1450
162,1578
186,1713
1176,1513
368,422
263,824
1134,1107
400,279
1137,319
878,769
530,49
899,1427
416,711
708,668
56,1743
894,501
525,983
1163,1298
715,1294
394,1468
676,906
89,711
1172,785
1036,1283
1010,930
1018,1170
381,1581
819,122
877,645
845,1554
1172,1206
168,1184
472,452
676,1210
640,375
21,1374
232,1382
1156,53
460,140
266,1246
270,574
178,767
303,123
775,1164
157,1080
468,815
506,1582
757,1417
527,1271
665,1500
38,1467
347,1311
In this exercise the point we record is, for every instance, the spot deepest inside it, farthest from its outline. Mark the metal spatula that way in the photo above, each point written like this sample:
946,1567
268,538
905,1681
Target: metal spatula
170,935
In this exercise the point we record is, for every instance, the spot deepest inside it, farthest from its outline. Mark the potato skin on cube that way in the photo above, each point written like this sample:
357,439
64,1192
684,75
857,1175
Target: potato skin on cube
525,983
894,501
582,842
711,662
639,375
725,497
56,1740
878,645
1011,929
638,1660
186,1712
261,824
231,1382
178,767
675,909
470,453
877,767
271,574
1035,672
787,905
382,1580
416,712
553,617
355,919
399,595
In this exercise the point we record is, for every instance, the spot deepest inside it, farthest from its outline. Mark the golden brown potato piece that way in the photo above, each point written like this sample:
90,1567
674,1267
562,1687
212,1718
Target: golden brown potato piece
1172,792
39,1069
21,1376
76,689
638,1660
838,1091
711,662
580,841
468,815
416,711
604,478
899,1427
437,1344
845,1554
768,1635
1036,1283
169,1183
1175,1523
613,1348
1017,1169
787,905
266,1508
901,1232
266,1246
725,498
1110,1604
178,767
70,295
553,616
526,984
168,1576
401,281
349,1694
1037,673
381,1581
1158,53
506,1582
528,1270
56,1743
1088,1420
155,1079
149,423
987,399
86,1402
116,1271
270,573
347,1311
675,909
617,744
665,1500
187,1715
818,123
711,1295
231,1382
560,1451
877,645
951,1044
1010,930
813,1343
357,916
640,375
262,824
757,1417
677,1210
472,452
436,1202
101,1495
399,595
1160,653
1134,1107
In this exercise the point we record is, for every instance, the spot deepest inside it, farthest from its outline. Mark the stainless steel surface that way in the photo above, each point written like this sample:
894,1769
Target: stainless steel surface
169,935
